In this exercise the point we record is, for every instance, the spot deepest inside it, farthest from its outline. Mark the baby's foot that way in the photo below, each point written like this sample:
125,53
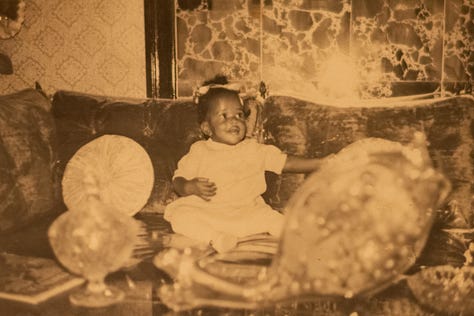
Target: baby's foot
224,242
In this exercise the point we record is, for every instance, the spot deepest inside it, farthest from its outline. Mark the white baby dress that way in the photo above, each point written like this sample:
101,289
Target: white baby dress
239,174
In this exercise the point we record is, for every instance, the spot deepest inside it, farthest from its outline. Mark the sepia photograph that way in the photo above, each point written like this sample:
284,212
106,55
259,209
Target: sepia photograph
237,157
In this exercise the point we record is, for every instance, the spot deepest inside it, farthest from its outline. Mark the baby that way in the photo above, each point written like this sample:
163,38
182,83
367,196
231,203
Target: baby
221,179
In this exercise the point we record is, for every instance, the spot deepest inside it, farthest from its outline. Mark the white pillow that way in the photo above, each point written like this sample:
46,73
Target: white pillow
122,169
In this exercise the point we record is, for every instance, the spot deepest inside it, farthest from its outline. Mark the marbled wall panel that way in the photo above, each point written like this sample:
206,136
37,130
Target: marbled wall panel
217,37
298,38
459,46
329,48
92,46
397,41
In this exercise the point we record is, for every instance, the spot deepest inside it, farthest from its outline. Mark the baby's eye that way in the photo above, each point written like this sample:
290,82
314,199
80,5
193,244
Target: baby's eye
240,115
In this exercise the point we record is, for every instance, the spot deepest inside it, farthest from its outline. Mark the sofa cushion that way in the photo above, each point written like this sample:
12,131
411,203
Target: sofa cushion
28,186
315,130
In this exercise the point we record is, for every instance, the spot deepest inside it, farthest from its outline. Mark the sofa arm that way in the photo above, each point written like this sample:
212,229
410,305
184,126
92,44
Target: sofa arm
28,187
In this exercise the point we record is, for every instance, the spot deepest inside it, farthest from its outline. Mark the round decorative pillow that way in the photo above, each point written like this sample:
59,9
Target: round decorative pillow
122,168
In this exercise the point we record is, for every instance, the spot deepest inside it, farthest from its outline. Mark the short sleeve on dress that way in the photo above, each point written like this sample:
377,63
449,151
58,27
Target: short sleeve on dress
188,164
274,159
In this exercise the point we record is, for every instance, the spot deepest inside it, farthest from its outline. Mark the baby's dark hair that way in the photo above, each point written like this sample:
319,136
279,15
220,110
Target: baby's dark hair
218,79
214,93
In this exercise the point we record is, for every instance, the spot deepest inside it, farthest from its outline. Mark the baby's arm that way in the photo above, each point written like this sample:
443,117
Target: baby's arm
201,187
296,164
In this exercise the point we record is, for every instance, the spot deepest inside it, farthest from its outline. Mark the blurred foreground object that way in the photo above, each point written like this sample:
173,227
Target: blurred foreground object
445,288
92,242
448,287
353,228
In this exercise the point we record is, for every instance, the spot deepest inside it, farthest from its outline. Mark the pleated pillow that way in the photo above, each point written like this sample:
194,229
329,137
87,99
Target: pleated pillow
122,169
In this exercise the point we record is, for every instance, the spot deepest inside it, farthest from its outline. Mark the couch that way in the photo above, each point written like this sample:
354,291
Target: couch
40,133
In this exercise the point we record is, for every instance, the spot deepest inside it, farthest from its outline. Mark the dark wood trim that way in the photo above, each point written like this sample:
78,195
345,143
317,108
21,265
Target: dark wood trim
160,48
151,48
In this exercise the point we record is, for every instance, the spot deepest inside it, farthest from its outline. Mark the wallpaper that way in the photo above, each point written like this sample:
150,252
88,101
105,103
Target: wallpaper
92,46
330,48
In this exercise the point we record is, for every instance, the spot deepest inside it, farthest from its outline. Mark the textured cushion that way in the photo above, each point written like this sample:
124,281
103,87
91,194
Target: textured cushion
315,130
28,187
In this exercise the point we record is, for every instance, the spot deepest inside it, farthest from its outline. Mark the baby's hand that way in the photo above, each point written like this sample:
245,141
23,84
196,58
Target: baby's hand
203,188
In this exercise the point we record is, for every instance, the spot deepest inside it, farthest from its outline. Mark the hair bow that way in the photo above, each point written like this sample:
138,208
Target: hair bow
199,91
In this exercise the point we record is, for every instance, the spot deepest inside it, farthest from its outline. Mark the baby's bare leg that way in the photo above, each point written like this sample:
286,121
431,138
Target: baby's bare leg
198,229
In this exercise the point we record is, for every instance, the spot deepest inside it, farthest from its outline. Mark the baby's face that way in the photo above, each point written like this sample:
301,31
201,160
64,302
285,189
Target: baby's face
226,121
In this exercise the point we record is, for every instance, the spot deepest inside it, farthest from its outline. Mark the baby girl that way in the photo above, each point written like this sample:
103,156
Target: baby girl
221,179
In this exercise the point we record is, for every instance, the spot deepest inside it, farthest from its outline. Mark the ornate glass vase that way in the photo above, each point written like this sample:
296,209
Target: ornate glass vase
92,242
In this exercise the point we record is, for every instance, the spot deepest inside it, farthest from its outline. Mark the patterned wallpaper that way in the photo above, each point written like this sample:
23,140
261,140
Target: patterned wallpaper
392,47
92,46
